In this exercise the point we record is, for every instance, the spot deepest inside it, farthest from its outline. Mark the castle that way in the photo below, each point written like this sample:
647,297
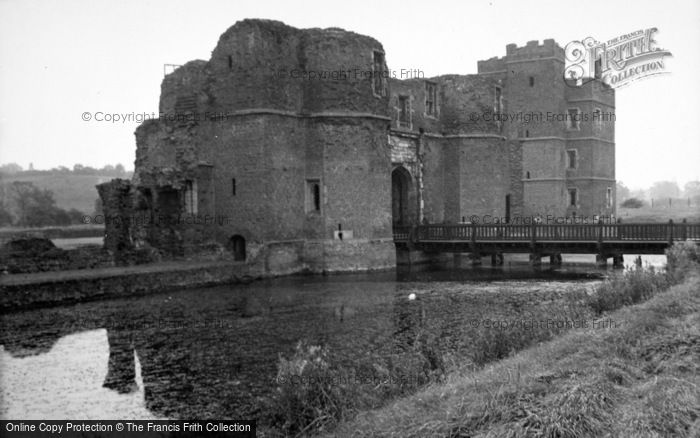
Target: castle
298,149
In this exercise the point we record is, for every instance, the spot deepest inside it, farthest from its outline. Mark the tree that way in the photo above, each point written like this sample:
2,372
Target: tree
36,207
10,168
119,170
633,203
21,193
691,189
665,190
108,169
6,217
622,191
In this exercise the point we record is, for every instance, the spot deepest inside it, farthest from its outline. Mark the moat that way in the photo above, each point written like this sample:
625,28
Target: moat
214,352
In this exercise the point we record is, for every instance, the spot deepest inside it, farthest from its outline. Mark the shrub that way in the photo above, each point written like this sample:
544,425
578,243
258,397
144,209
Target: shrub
639,284
682,258
633,286
632,203
310,394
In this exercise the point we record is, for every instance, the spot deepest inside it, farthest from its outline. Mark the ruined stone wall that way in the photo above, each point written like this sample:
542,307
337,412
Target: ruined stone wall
117,207
267,64
435,159
185,92
453,176
468,105
246,64
265,155
356,177
273,117
484,177
415,90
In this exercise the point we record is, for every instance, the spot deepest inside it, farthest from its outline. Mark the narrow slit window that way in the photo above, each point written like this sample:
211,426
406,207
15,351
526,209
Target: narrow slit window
571,154
404,111
597,117
498,104
430,98
313,195
378,74
190,197
573,197
233,186
573,118
317,197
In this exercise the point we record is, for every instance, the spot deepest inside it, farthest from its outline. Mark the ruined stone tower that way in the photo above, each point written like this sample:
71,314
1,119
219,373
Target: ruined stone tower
286,161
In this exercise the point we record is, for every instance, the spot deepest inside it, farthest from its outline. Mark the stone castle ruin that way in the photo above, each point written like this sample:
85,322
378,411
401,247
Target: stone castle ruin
297,149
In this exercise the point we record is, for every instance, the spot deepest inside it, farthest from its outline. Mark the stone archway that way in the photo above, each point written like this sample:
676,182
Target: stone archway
402,208
236,244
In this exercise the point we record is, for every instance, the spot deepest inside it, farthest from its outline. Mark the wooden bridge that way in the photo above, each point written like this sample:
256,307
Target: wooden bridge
605,240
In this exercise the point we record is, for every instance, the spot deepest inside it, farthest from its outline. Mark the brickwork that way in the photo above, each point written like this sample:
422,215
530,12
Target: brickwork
290,137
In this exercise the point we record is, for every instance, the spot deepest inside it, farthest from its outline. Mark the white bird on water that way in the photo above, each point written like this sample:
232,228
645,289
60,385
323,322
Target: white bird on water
411,297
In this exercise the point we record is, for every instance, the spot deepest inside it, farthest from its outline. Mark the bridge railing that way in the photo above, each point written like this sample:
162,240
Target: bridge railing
552,232
402,232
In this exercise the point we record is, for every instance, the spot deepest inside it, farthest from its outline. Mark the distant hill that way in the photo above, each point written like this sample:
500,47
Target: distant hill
70,190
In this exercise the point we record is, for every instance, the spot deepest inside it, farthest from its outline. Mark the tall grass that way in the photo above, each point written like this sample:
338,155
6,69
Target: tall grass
638,379
314,395
639,284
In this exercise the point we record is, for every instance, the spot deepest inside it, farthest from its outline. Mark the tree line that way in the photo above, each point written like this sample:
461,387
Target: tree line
659,193
22,204
116,171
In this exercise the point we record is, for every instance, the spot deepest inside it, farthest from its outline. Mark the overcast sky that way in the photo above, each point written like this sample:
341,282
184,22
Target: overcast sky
59,59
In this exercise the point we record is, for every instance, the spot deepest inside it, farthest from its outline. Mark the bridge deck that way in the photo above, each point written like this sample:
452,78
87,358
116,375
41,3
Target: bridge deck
642,238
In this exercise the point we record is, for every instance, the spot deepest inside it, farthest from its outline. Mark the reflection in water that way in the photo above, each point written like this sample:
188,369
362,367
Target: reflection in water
213,353
65,381
408,319
121,367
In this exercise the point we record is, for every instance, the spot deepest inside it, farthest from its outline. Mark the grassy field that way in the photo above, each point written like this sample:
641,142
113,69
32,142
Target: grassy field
637,374
660,213
70,191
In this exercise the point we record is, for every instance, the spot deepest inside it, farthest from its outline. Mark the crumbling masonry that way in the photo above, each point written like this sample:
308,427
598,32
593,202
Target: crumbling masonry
296,149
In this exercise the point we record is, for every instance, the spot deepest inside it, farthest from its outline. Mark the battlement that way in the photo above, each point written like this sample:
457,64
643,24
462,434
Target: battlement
491,65
532,50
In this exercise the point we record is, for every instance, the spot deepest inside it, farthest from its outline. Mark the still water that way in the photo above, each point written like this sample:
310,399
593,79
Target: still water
214,352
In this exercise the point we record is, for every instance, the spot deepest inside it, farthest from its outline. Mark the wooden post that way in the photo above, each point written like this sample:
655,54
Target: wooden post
684,229
618,229
474,255
618,261
601,259
535,258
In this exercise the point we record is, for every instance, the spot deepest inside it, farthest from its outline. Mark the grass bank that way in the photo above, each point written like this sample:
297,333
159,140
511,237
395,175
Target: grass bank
636,373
